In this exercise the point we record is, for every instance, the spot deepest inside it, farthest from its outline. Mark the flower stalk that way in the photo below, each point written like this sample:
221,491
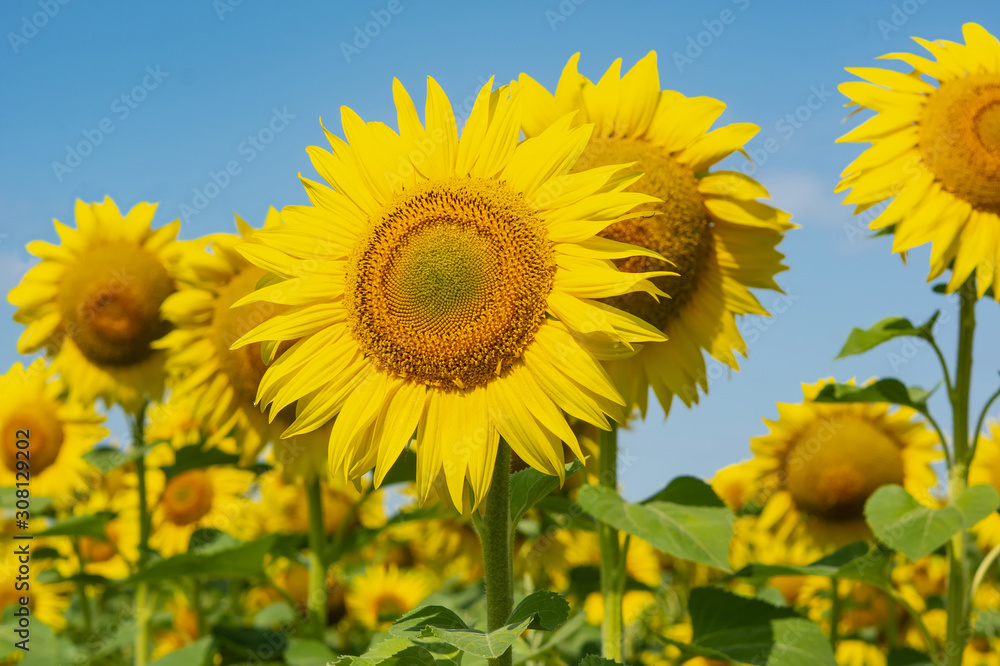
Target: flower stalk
317,562
612,556
498,564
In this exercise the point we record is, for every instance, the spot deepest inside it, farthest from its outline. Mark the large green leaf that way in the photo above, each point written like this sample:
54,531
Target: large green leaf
734,628
193,654
546,610
395,651
908,657
692,526
861,340
225,557
443,624
90,526
238,643
891,391
529,486
307,652
902,523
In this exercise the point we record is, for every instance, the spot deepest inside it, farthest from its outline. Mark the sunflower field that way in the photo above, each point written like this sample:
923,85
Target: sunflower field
397,418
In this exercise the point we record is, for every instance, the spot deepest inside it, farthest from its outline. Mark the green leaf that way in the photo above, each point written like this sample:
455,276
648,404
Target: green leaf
194,457
404,470
529,486
394,651
862,340
902,523
857,561
189,655
687,490
734,628
245,643
546,610
908,657
91,526
8,501
444,625
226,557
307,652
106,458
274,614
691,528
891,391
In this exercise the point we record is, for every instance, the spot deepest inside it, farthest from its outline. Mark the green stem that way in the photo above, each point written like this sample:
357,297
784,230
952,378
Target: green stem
835,609
88,625
317,566
957,603
612,557
984,566
143,613
196,604
979,424
497,556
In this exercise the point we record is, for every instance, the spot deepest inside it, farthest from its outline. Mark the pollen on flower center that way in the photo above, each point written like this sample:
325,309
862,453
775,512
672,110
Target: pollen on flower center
187,497
451,283
39,425
836,464
960,139
681,232
110,303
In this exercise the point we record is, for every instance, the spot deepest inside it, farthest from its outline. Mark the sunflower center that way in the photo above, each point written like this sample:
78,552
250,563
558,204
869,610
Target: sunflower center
94,550
38,424
960,139
836,464
681,232
451,283
244,366
389,607
110,301
187,497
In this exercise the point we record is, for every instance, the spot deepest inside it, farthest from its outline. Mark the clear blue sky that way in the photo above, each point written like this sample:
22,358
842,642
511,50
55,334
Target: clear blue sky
169,93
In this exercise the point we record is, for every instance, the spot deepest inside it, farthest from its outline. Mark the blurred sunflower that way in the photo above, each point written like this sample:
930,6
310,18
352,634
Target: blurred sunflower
58,432
47,601
859,653
437,288
382,593
207,497
635,604
821,462
936,152
736,484
183,628
177,421
94,302
711,226
111,556
286,508
922,582
985,469
220,385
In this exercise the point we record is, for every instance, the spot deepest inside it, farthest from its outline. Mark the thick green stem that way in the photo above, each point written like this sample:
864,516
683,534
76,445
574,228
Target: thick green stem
835,609
317,564
88,625
957,603
143,613
612,556
498,561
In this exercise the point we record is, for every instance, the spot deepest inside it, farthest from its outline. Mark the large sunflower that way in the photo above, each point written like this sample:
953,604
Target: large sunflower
711,226
44,436
438,287
221,384
94,302
821,462
937,151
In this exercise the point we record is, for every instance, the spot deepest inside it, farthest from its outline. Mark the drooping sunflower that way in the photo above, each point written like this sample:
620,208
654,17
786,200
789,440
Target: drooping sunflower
720,238
93,302
820,462
936,153
220,384
985,469
53,433
383,592
439,287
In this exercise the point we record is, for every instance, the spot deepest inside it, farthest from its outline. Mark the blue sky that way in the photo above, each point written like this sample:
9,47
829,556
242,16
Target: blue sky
164,95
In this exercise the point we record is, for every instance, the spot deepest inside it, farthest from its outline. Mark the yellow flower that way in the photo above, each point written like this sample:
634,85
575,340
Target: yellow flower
183,630
936,152
859,653
109,557
47,602
220,384
206,497
382,593
919,581
287,508
177,421
720,238
635,603
440,286
44,436
736,484
94,302
985,469
821,462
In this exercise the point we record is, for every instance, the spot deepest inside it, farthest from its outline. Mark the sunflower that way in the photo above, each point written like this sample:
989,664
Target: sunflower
94,302
439,287
936,149
860,653
183,629
46,433
821,462
720,238
111,556
736,484
635,604
203,497
219,384
287,509
384,592
985,469
47,601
